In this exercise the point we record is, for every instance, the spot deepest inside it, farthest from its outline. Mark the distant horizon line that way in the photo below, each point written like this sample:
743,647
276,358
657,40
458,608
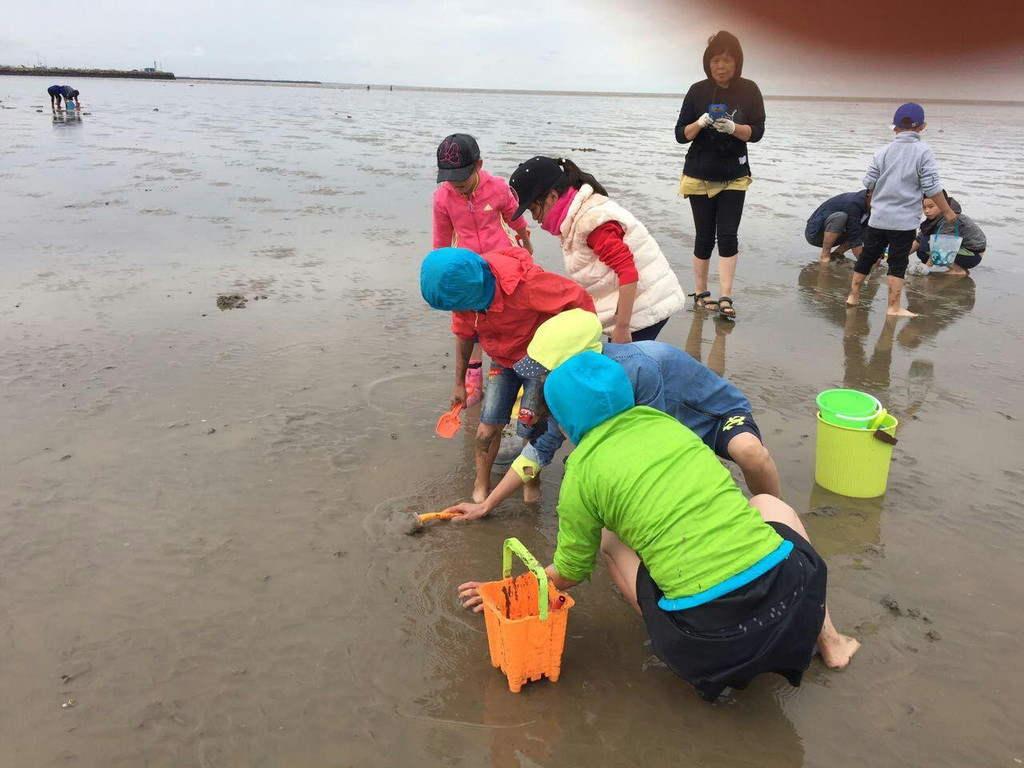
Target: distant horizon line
630,94
547,92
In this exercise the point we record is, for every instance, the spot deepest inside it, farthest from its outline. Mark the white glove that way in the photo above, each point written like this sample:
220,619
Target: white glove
725,125
705,121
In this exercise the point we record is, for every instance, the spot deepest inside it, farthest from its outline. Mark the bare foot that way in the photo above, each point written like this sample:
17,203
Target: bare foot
838,651
480,493
852,300
901,312
531,492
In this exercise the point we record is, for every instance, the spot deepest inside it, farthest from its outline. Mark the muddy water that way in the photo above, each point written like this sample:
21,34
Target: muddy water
202,511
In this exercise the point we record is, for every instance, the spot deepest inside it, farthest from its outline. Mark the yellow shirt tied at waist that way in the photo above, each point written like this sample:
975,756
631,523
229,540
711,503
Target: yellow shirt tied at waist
690,186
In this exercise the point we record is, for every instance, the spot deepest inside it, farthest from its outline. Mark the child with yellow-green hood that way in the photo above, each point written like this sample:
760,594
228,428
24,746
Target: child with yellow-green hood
728,589
663,377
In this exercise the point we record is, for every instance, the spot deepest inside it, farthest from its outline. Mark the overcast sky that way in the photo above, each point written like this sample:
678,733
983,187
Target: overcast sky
607,45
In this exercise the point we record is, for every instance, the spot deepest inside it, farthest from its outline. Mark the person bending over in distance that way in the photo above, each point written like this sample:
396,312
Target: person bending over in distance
837,223
57,92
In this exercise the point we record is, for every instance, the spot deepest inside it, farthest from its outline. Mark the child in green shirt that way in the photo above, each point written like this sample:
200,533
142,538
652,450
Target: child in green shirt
728,589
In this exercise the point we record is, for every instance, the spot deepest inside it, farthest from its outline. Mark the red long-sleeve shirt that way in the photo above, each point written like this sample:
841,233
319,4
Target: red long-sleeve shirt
607,242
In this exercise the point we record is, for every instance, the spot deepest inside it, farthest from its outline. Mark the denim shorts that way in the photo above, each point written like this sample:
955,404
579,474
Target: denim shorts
500,394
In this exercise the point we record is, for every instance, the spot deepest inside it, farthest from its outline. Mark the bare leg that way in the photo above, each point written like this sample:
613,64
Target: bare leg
531,490
700,278
623,564
488,440
756,463
726,273
836,649
827,241
895,294
854,298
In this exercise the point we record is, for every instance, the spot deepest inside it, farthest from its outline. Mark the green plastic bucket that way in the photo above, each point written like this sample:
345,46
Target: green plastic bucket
849,408
854,462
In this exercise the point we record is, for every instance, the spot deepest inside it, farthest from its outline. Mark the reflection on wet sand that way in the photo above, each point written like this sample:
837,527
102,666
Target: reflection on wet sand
695,340
203,514
67,118
940,299
472,711
841,525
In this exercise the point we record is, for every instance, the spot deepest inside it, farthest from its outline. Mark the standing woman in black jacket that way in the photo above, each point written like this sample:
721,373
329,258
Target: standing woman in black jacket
720,116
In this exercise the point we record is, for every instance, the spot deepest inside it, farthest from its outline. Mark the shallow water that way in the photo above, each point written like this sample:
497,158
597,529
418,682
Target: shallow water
202,511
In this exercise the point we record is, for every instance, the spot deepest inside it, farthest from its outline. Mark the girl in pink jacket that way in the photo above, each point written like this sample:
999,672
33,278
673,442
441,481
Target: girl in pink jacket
474,210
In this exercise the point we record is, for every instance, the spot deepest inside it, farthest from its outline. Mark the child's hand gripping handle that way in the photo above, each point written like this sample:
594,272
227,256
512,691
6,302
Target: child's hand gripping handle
513,544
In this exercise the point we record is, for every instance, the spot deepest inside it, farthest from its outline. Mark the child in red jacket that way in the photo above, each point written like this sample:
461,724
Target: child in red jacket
474,210
499,298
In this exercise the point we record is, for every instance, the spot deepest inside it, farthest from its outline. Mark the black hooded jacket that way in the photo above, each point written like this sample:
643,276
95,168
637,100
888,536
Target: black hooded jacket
715,156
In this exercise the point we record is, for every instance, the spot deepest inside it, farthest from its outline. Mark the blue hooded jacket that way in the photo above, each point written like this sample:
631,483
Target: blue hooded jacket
587,390
456,279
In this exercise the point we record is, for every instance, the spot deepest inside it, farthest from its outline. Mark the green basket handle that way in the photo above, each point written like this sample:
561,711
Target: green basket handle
513,544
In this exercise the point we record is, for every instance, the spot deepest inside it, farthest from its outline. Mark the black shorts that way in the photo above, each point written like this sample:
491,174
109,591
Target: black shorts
732,424
769,625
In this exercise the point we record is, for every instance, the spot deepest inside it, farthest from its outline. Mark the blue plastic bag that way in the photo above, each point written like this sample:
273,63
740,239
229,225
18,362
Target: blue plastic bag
944,248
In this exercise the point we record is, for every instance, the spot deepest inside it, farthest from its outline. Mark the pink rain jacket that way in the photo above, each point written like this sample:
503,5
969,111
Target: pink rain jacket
482,222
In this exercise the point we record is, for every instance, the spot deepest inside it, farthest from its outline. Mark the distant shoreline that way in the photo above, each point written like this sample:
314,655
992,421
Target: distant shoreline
131,74
679,96
254,80
141,75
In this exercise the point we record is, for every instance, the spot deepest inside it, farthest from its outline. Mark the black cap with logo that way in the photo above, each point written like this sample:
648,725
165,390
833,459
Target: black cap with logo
456,157
536,177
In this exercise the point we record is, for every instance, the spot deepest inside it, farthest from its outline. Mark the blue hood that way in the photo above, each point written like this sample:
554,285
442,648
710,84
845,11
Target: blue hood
456,279
587,390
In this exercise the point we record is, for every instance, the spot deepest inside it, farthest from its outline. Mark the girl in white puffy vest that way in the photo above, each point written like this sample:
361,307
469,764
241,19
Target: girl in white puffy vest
607,251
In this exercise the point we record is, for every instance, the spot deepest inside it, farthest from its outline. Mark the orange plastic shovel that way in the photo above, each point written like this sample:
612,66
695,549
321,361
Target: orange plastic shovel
449,423
427,517
419,520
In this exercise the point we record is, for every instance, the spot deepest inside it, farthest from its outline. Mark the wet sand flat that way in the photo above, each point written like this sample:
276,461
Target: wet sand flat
201,510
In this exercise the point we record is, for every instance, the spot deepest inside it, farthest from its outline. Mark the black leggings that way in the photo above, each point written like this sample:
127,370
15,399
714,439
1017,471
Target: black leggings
650,333
717,217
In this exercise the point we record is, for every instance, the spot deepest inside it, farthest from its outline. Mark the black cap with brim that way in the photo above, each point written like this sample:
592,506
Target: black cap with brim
455,174
456,157
536,177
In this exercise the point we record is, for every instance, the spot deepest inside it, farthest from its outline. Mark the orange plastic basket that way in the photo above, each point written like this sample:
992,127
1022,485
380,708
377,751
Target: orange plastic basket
526,618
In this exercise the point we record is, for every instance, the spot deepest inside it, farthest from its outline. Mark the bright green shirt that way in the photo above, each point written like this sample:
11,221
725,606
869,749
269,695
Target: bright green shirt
652,482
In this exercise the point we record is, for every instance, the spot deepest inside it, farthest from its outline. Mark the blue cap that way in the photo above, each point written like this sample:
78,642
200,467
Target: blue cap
587,390
909,115
456,279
